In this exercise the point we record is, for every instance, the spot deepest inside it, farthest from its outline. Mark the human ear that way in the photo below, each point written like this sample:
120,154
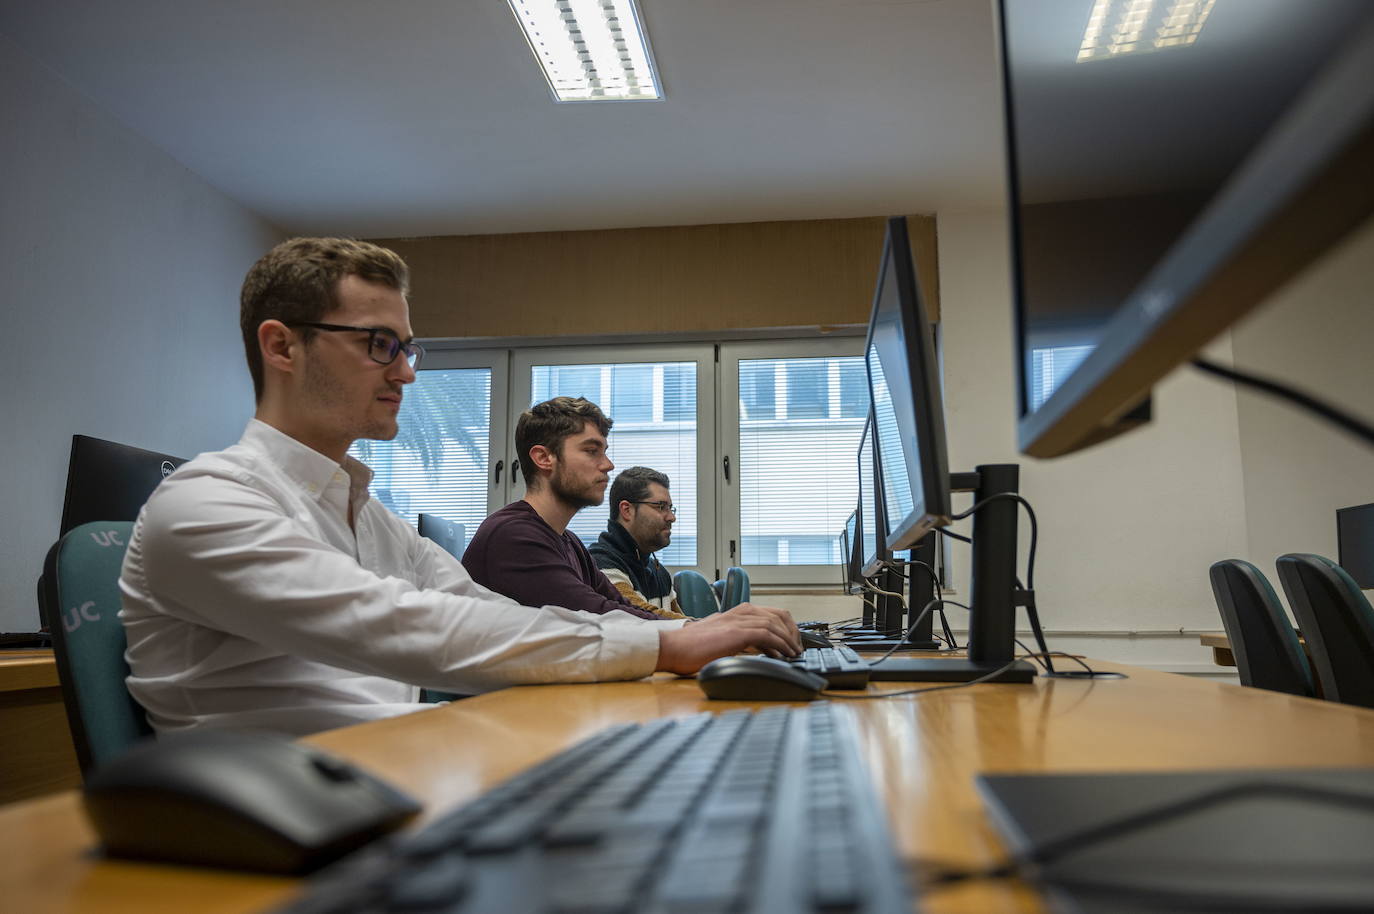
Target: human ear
542,458
275,341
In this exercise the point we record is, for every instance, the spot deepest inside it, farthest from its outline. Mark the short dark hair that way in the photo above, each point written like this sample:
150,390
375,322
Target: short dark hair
298,280
633,485
551,423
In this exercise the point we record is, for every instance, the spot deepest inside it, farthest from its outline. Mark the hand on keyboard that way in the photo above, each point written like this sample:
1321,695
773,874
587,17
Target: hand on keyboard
691,647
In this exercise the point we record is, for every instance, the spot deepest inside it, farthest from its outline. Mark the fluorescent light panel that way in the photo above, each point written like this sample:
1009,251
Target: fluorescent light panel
590,50
1117,27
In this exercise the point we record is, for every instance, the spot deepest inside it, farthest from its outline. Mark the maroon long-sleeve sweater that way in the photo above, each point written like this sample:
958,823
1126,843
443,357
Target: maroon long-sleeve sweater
516,553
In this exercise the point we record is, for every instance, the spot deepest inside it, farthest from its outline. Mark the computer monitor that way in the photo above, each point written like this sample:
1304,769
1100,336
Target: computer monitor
1165,177
871,523
110,481
1355,543
913,486
850,559
908,411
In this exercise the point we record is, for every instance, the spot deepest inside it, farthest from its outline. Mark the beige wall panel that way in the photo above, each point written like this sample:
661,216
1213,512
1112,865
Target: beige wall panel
679,279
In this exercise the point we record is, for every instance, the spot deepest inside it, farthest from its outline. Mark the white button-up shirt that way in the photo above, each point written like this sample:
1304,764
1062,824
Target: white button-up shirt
248,600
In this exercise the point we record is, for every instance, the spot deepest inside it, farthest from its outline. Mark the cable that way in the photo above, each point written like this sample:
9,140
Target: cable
940,688
1350,423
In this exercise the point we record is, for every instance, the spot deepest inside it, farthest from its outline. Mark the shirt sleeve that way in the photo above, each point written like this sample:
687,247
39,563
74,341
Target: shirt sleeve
622,583
524,561
225,555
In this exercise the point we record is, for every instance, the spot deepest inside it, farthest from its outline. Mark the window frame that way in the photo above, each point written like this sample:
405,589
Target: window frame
497,361
523,360
728,433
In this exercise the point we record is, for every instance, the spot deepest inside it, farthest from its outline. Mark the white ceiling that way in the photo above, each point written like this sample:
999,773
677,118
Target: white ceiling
419,117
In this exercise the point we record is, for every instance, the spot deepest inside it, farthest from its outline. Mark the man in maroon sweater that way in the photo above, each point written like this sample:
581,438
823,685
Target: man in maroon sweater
525,550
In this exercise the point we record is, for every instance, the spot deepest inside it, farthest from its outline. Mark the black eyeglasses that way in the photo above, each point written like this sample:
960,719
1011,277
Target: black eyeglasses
663,507
383,345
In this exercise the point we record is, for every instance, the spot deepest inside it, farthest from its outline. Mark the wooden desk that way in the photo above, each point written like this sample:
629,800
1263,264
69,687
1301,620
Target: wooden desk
36,754
1221,648
923,752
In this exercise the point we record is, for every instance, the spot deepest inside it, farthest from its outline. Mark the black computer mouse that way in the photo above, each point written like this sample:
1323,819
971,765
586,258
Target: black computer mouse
758,679
814,639
236,799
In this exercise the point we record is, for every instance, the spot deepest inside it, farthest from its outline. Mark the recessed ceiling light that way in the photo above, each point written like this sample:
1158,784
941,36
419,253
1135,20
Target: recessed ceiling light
1118,27
590,50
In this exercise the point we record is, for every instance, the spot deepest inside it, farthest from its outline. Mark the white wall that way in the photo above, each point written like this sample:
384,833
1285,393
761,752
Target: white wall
1318,333
120,274
1129,528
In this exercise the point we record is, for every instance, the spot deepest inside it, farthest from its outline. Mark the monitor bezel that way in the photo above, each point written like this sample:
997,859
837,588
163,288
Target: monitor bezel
933,509
870,565
1299,192
849,550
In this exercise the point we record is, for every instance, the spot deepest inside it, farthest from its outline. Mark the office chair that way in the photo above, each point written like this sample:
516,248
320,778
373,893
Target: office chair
1337,623
81,609
736,588
1267,650
694,594
452,536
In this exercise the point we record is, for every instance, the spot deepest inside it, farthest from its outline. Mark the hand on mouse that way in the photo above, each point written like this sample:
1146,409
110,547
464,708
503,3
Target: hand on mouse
687,649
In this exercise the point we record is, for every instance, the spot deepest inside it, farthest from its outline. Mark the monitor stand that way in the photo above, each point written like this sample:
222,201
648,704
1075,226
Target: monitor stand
992,622
921,591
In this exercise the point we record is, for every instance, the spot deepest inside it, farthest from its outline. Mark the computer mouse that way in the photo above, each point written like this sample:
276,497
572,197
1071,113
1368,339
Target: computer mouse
813,639
758,679
237,799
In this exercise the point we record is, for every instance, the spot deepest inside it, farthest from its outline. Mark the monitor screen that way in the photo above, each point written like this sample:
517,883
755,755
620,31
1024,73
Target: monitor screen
907,406
1355,542
1167,172
850,558
110,481
870,512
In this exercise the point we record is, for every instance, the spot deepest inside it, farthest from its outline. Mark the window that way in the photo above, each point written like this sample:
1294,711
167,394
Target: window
794,483
437,464
653,402
452,421
759,439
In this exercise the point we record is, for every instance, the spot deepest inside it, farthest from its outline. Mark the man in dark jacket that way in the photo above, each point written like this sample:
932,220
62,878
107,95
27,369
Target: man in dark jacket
642,517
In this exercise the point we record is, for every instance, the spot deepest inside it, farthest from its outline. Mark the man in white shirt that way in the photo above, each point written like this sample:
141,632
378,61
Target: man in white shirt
264,587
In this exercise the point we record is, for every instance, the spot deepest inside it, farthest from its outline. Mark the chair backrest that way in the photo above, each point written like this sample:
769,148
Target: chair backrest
1337,623
449,534
81,608
736,588
694,594
1268,653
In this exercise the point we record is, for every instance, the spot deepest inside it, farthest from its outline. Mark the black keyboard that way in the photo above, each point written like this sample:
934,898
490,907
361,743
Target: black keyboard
841,667
738,812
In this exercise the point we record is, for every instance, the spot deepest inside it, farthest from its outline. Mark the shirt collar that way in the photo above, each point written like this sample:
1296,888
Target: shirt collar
305,466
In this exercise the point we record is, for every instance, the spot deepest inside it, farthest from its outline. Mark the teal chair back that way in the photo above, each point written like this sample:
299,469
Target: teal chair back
81,608
1337,623
694,594
736,588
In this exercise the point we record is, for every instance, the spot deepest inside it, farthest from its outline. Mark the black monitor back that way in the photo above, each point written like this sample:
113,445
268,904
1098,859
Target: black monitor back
110,481
1355,542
